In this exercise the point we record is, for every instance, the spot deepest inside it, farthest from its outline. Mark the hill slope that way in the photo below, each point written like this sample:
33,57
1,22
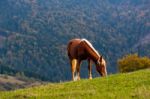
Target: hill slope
126,86
34,33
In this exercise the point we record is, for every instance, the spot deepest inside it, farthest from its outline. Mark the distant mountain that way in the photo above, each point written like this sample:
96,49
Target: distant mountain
34,33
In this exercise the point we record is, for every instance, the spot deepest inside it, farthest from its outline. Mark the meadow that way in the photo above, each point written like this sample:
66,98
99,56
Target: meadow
135,85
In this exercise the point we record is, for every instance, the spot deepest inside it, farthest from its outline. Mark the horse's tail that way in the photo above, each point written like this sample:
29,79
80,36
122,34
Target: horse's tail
68,48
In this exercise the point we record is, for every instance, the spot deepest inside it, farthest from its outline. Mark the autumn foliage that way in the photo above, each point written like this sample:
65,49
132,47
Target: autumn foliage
133,62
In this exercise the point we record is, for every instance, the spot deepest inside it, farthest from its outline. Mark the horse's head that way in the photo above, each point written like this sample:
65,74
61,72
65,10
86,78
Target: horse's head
101,66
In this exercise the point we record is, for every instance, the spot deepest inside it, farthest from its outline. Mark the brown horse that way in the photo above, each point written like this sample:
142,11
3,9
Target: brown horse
82,49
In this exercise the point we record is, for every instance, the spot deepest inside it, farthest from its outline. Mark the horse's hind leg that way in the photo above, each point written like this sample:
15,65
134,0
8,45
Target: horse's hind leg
78,69
73,68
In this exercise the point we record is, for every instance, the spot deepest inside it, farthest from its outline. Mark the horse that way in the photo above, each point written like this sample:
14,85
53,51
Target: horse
81,49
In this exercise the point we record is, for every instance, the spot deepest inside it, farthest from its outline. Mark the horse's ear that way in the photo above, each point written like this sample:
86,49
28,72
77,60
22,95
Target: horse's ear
101,58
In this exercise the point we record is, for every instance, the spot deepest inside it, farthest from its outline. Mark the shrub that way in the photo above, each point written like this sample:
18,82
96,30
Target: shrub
133,62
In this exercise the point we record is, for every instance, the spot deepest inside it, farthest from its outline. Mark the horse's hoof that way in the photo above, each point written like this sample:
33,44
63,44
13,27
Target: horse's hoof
90,78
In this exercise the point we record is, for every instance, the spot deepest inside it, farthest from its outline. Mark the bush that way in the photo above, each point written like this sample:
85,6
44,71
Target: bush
133,62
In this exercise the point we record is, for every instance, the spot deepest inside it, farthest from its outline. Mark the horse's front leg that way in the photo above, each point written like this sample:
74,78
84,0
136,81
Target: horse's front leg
73,67
90,68
78,69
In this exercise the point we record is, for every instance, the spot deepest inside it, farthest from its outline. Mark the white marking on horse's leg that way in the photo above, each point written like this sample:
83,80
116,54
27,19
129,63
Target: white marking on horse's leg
75,78
73,68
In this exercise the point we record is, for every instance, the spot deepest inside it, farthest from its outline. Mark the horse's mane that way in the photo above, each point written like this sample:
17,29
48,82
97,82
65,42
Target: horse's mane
91,46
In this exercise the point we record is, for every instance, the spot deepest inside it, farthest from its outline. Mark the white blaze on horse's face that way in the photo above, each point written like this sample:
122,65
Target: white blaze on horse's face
101,67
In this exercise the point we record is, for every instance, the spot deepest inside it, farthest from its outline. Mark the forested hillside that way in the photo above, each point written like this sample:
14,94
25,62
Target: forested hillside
34,33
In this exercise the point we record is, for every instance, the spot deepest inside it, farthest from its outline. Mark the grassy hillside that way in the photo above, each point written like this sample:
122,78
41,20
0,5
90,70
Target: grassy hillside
119,86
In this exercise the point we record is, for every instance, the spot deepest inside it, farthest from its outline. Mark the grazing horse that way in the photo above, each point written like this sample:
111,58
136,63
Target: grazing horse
82,49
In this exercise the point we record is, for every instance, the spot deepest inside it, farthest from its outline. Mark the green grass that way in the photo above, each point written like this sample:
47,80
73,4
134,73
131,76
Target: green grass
135,85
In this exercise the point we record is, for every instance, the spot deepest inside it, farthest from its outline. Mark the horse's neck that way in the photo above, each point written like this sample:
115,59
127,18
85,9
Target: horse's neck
93,54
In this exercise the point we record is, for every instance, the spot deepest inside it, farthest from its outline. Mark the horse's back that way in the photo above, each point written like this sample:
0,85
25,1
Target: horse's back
72,48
